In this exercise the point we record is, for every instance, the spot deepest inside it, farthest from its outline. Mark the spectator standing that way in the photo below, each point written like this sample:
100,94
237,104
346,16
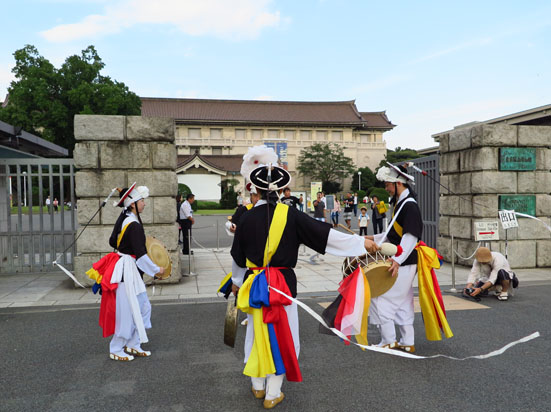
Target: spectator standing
56,203
319,208
178,206
239,199
301,203
355,204
376,217
48,204
348,207
366,199
186,217
336,212
289,200
363,221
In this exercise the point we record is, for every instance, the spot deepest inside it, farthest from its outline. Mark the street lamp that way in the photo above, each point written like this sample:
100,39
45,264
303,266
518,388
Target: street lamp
359,181
25,188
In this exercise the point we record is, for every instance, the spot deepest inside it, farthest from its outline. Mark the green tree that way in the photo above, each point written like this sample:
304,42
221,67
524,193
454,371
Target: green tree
367,179
325,162
44,100
399,155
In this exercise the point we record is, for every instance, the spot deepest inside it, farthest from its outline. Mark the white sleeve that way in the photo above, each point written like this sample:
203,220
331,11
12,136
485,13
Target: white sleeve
341,244
237,274
408,243
379,238
146,265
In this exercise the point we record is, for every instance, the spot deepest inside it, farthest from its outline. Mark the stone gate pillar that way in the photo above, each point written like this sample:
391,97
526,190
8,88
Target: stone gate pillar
115,151
469,166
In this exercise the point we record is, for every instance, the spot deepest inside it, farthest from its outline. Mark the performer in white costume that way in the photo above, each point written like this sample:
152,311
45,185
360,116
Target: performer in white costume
395,307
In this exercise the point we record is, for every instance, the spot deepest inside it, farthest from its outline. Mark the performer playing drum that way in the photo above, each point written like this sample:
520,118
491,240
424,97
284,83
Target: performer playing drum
264,252
395,307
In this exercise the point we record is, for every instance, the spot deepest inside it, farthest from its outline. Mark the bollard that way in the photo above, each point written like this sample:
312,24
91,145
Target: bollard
217,237
453,289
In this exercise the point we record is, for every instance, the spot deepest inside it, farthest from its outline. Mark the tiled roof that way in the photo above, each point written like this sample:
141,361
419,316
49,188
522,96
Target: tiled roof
377,120
228,163
261,112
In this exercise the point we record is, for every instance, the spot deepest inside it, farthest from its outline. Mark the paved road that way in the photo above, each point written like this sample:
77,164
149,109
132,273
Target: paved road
56,360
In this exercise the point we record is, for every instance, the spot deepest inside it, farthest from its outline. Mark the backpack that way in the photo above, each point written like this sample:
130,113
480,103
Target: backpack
382,208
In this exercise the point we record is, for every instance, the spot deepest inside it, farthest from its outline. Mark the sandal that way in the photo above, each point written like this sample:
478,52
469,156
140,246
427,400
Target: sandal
138,353
121,358
406,348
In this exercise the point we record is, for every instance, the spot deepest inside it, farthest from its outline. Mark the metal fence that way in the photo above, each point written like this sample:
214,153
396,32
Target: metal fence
428,195
37,214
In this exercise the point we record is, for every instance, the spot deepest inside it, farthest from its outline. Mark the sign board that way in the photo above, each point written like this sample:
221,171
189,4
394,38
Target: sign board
508,219
486,230
315,187
330,202
281,149
517,158
519,203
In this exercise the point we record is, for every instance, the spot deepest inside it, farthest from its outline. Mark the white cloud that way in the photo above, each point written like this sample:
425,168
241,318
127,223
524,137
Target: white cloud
220,18
6,77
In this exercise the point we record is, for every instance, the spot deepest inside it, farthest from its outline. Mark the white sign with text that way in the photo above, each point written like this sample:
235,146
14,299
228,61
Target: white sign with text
486,230
508,219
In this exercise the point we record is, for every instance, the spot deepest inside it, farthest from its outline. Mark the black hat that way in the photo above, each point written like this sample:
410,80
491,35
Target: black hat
270,178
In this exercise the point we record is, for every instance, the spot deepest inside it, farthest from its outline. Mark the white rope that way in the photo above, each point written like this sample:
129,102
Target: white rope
467,258
395,352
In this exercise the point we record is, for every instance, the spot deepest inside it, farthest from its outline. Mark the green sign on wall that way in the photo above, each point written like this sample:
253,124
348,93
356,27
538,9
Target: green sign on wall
519,203
517,158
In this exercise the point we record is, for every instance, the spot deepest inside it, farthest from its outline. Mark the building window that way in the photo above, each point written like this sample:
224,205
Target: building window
273,134
215,133
337,136
321,135
364,138
241,134
290,134
194,133
305,135
216,150
257,134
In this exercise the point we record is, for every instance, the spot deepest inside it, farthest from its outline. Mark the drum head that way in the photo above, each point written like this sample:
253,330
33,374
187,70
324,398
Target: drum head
230,323
159,255
379,278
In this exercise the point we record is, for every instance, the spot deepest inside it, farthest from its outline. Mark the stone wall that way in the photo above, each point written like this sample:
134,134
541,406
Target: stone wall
116,151
469,166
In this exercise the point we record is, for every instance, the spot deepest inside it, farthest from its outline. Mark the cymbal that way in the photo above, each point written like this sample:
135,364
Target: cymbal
159,255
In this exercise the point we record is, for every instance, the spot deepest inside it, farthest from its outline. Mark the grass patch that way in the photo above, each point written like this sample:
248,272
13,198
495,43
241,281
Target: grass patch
227,212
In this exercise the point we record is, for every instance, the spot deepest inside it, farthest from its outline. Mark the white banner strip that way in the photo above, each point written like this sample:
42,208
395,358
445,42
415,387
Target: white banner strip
395,352
535,218
68,274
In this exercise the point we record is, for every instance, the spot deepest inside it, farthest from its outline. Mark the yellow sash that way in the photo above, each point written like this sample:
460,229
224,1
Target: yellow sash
397,227
119,238
433,313
260,362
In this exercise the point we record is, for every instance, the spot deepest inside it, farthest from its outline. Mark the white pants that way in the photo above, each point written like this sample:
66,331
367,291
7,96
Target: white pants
395,307
126,333
272,383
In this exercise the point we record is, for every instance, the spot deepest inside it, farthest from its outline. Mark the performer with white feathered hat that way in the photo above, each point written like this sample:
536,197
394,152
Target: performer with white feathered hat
264,252
395,307
125,310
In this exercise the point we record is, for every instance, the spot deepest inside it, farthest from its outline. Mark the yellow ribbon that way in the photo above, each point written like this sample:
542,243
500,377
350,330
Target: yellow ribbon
430,306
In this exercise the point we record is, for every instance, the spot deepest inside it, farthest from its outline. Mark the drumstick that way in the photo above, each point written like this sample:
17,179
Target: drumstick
345,228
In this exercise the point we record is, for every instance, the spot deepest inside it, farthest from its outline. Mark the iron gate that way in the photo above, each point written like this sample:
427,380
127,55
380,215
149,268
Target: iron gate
34,231
428,194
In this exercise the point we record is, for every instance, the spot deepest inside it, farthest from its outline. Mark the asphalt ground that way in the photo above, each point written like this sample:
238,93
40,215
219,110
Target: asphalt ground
54,359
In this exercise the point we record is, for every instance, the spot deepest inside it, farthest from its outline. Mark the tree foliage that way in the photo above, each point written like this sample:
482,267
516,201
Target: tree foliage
399,155
324,162
367,179
44,100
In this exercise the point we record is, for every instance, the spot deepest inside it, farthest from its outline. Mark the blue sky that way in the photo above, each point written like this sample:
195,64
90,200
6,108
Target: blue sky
431,65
